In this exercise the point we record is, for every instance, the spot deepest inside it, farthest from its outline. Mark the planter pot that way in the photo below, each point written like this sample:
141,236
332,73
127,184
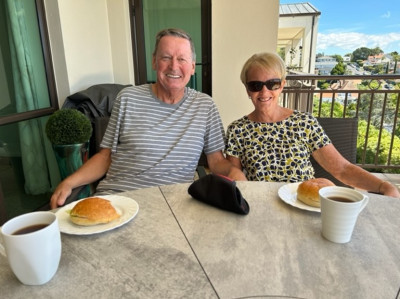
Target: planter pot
69,158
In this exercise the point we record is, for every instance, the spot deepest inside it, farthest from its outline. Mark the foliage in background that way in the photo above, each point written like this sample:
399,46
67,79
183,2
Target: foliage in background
373,139
373,131
363,53
375,69
338,69
323,84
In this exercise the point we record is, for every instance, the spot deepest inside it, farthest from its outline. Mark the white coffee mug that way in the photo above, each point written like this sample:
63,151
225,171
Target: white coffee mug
33,256
340,207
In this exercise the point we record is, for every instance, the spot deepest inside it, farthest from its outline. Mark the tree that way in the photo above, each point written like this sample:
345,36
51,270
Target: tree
281,53
376,51
361,53
339,69
396,57
338,58
326,109
372,145
373,131
323,84
375,69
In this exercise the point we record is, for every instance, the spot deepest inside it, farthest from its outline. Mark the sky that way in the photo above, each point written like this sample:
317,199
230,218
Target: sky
347,25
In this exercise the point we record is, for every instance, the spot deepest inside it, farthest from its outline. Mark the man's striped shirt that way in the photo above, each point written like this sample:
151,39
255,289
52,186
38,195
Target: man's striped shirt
154,143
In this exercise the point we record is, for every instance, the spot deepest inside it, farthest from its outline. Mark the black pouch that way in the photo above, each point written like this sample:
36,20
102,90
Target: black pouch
221,192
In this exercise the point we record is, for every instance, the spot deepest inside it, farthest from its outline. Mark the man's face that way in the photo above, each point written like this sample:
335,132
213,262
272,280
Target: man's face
173,63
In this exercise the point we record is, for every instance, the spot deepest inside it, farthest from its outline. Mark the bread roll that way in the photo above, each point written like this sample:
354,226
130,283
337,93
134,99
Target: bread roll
307,192
92,211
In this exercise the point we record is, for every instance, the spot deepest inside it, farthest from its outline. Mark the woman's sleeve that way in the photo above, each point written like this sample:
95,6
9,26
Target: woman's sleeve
317,138
233,147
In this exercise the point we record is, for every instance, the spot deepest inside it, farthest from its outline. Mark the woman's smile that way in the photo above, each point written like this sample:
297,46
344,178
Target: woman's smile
264,99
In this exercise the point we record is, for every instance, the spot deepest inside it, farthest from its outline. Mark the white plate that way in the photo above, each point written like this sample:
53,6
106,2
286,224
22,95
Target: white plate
125,206
288,193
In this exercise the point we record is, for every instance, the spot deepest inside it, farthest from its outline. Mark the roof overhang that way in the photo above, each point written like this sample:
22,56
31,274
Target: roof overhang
287,35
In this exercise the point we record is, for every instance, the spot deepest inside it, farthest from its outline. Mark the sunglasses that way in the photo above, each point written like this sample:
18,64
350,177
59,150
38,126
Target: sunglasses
272,84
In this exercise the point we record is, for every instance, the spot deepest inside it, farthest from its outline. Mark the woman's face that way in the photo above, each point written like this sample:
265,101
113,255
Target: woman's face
264,99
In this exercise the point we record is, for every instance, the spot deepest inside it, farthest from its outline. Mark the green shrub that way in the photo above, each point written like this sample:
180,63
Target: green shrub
68,126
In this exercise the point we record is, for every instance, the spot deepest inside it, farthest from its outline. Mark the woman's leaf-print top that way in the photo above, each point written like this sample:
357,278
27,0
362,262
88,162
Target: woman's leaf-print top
278,151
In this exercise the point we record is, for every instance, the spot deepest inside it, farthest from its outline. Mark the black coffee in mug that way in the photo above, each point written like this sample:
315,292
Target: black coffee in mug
30,229
339,198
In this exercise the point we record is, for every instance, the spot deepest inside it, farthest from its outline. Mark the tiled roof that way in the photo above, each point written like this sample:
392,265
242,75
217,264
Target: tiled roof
297,9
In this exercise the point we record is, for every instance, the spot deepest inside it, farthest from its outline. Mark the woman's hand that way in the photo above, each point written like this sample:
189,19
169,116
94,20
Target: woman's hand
388,189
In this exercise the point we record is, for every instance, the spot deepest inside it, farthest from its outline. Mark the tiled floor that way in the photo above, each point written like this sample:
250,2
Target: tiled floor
13,200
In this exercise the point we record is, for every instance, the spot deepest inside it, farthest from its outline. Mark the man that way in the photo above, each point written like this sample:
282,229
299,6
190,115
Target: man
157,132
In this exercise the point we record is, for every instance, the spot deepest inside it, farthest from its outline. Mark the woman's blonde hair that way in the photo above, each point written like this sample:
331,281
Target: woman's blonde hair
270,62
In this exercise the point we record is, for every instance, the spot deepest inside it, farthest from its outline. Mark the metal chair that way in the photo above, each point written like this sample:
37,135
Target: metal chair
343,134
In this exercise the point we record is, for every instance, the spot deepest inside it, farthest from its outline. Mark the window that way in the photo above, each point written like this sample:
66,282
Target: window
150,16
28,96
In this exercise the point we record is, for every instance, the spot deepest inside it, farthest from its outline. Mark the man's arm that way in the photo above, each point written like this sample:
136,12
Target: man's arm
220,165
94,169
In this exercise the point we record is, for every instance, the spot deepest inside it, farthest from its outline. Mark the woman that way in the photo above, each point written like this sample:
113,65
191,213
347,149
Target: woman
274,143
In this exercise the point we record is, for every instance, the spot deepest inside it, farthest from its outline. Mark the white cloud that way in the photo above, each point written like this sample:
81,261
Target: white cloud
350,41
386,15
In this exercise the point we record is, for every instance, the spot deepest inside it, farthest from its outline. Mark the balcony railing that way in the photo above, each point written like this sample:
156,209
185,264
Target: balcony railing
373,99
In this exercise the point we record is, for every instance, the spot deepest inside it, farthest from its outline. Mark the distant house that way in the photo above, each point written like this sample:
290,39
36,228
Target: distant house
375,59
393,64
382,59
325,64
297,35
387,58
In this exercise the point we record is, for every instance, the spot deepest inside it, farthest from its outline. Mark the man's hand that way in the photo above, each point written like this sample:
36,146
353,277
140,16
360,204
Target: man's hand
59,196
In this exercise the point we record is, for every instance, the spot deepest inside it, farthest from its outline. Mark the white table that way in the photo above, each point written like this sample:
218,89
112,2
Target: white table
148,257
177,247
278,249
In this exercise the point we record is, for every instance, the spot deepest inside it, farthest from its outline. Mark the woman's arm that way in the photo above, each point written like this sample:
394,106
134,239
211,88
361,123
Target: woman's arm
333,162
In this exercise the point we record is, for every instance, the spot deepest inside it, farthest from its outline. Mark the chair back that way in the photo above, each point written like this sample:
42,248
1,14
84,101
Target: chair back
343,134
100,126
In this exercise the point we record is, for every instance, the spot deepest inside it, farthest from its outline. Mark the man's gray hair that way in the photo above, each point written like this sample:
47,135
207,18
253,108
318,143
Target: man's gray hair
178,33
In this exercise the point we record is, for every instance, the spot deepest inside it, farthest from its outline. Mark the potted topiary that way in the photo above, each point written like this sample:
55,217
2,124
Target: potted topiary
68,126
69,131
